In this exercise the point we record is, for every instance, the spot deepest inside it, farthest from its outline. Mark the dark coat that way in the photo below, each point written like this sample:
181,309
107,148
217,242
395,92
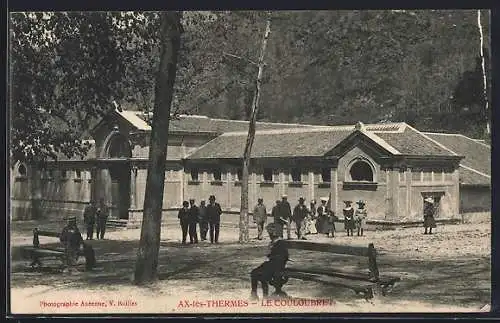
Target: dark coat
194,214
429,221
300,212
349,218
183,215
214,212
285,210
203,214
71,237
278,255
89,214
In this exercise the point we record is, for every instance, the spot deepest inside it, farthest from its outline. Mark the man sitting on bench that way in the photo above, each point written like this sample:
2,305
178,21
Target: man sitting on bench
71,238
272,269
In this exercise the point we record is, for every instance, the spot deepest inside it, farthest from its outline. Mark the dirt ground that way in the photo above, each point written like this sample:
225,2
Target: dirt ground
448,271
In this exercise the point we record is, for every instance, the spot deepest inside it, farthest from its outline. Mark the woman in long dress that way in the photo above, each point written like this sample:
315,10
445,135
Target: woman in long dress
429,221
311,223
360,217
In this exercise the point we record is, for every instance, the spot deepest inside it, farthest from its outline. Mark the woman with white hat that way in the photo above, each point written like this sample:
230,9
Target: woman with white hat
429,221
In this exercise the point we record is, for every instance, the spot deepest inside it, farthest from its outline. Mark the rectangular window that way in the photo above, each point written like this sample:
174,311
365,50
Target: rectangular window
296,175
217,175
239,174
194,174
268,175
326,175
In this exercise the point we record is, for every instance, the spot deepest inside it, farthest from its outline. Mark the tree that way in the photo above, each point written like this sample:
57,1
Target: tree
250,139
65,71
149,245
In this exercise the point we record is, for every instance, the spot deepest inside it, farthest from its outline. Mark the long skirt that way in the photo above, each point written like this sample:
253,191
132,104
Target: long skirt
311,226
429,222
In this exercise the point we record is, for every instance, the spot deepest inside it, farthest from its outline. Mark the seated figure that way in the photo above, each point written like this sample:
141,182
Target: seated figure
271,271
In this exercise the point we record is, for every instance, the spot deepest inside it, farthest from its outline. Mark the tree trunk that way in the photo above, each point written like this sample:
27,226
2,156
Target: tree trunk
250,138
149,245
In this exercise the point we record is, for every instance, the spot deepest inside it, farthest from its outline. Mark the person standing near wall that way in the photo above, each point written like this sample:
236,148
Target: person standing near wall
194,214
322,216
299,215
102,219
214,212
275,213
71,239
429,221
260,217
360,217
183,217
349,224
89,218
203,221
311,219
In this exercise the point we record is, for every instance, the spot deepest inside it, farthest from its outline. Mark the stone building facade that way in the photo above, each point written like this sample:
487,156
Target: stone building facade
390,166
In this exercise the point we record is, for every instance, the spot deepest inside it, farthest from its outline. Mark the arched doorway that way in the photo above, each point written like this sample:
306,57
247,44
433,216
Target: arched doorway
117,151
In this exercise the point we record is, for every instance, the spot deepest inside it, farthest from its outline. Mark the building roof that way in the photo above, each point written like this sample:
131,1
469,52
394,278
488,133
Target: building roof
397,138
476,165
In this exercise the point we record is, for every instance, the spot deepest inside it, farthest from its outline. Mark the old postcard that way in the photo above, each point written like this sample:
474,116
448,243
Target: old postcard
301,162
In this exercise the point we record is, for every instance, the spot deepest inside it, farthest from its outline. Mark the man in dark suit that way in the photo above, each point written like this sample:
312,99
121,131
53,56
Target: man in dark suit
194,213
214,212
71,239
272,270
183,217
89,217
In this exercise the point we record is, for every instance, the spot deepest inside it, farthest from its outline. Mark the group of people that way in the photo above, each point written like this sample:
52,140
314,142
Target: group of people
310,220
73,244
206,216
96,216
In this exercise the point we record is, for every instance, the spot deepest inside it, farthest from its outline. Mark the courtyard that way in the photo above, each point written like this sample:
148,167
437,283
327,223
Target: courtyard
448,271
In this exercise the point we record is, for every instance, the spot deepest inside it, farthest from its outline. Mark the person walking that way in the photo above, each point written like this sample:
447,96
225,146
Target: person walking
89,217
102,219
214,212
286,215
429,221
183,217
360,217
311,219
203,221
275,214
349,224
300,213
322,216
260,217
194,214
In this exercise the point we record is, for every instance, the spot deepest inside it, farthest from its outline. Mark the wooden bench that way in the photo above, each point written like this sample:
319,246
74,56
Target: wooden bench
36,252
364,283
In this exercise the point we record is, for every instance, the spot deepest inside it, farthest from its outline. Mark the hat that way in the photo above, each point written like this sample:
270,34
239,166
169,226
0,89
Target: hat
348,202
260,199
360,202
212,197
284,196
429,200
185,203
191,200
301,198
71,219
324,199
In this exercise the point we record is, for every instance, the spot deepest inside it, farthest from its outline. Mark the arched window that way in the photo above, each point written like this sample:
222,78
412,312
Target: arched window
361,171
22,170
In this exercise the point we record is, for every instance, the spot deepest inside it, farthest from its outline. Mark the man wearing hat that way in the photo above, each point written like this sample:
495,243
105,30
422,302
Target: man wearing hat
429,221
275,213
285,212
360,217
203,220
273,269
71,239
322,221
194,213
299,215
349,224
260,217
183,217
214,212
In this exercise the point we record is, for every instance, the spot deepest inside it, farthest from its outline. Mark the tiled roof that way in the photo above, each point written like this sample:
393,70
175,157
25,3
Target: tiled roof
282,143
413,142
396,138
173,152
477,156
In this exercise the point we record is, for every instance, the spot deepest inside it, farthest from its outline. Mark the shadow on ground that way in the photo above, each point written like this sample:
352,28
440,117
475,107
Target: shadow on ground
226,266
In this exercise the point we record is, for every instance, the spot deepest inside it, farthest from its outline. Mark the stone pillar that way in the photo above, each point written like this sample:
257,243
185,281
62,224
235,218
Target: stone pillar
133,187
311,186
334,190
455,198
393,188
204,184
282,185
181,173
252,186
409,183
229,189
